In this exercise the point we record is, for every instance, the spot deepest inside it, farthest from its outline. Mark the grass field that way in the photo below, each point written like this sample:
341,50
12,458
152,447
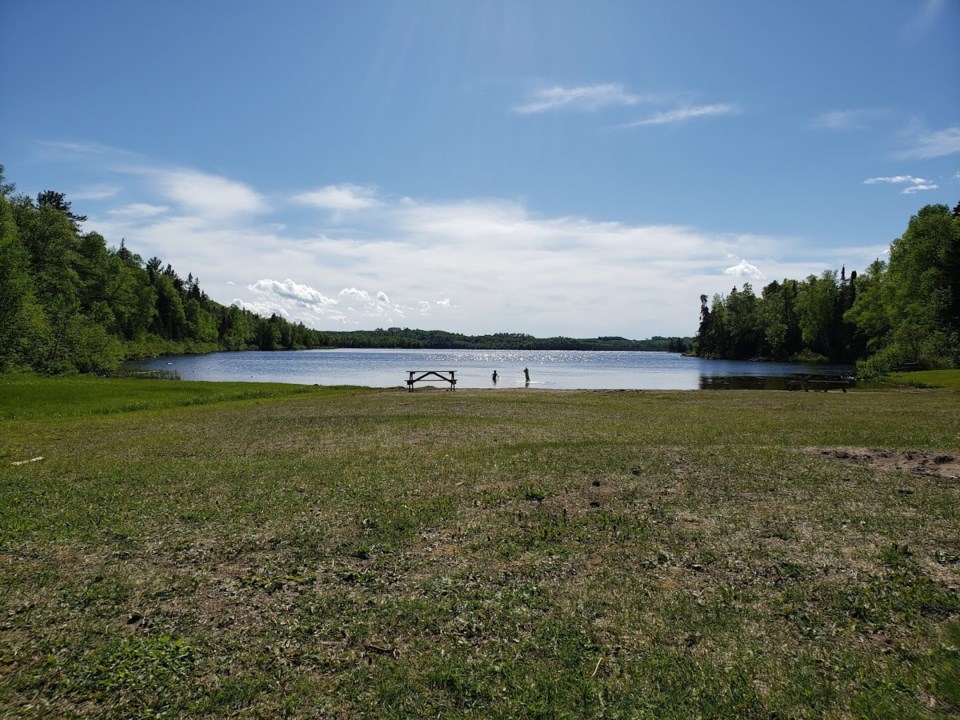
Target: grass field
228,550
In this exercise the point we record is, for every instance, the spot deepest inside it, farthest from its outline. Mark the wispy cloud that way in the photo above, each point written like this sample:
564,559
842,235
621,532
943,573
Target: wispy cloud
86,151
847,119
206,194
192,192
587,98
339,197
138,210
686,113
929,14
927,145
95,192
914,184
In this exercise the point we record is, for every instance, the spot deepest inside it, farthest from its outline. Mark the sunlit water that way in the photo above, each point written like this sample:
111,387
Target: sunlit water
555,370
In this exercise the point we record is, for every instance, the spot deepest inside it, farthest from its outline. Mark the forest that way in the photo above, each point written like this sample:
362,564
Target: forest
441,340
900,313
69,303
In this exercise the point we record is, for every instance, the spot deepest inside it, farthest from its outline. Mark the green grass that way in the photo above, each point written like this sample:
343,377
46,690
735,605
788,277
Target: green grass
29,396
928,378
230,550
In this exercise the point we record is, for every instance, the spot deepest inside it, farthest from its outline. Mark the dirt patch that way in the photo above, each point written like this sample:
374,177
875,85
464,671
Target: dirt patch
917,462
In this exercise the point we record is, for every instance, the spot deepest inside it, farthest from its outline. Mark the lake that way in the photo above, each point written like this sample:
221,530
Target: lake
554,370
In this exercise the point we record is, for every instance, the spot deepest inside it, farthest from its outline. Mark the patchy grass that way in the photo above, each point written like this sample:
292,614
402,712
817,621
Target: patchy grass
213,550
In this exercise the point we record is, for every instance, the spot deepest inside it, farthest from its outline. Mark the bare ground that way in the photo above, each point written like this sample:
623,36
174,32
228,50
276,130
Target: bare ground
921,463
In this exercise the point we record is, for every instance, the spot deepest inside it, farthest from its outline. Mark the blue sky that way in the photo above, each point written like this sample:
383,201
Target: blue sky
555,167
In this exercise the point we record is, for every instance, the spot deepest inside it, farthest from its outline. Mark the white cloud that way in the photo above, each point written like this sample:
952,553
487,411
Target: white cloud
916,188
138,210
686,113
914,184
263,309
472,265
87,152
744,269
205,194
589,97
96,192
295,301
847,119
199,195
339,197
289,290
352,292
927,145
355,306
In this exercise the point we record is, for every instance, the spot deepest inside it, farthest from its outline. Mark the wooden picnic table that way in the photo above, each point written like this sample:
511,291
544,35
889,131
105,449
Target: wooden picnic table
415,376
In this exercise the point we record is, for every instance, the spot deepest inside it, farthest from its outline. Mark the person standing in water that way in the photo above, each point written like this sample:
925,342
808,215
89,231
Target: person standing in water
526,376
495,376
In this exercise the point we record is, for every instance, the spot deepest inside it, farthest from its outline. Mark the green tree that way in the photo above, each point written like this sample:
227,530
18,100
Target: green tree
131,297
170,321
58,201
743,322
200,325
51,243
6,189
268,333
237,328
817,299
908,311
714,338
773,321
869,312
925,272
23,326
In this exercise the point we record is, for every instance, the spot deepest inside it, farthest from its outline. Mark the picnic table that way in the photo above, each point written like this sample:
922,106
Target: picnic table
415,376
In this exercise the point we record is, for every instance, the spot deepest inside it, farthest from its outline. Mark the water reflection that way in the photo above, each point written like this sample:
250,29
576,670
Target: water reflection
754,382
551,370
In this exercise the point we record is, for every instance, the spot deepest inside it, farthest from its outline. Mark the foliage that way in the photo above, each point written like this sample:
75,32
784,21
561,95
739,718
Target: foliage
23,325
904,313
68,303
440,340
918,296
790,320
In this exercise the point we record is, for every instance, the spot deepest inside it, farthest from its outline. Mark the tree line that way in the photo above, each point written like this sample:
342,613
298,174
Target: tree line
900,313
70,303
407,338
